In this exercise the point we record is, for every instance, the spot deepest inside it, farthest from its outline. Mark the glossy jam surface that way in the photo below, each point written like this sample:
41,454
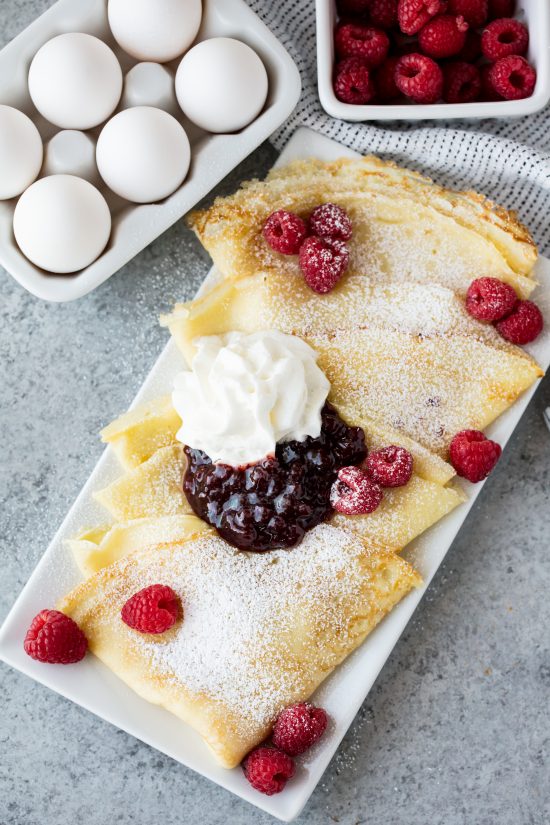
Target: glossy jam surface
272,503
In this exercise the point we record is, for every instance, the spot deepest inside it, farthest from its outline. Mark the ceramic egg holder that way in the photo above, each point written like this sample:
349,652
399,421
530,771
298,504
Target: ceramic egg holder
212,155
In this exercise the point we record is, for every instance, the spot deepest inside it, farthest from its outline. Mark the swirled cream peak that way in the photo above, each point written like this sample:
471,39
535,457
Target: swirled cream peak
245,393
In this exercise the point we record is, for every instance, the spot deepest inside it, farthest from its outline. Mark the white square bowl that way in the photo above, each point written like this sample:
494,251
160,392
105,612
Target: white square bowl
536,15
212,156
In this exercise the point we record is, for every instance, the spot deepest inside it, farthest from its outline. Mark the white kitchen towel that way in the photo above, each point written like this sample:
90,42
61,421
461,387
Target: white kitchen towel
508,160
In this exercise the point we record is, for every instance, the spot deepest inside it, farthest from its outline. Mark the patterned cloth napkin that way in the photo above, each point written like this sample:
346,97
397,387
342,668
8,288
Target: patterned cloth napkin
508,160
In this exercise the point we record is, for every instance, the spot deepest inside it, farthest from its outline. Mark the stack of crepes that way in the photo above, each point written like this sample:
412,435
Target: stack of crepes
405,362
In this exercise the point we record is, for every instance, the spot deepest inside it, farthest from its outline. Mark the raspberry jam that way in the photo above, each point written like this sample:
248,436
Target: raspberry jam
272,503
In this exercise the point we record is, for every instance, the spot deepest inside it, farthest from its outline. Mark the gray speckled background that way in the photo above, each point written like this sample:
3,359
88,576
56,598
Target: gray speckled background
455,732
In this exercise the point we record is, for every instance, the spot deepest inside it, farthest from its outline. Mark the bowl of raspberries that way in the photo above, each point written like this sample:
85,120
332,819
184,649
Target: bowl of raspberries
431,59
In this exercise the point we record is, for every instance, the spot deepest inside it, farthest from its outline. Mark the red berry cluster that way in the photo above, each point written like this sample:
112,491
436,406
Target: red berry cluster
269,767
425,51
489,299
358,490
320,242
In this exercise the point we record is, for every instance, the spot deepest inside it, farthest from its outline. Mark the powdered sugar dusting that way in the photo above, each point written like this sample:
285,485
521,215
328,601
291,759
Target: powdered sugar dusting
412,308
419,246
429,388
249,618
406,355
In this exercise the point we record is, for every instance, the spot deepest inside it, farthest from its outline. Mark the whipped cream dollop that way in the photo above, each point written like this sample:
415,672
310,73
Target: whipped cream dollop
245,393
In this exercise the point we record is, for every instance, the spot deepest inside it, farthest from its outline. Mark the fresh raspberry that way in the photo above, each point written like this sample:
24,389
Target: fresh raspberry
513,78
474,12
419,77
461,83
353,81
473,455
323,263
385,80
523,325
298,727
353,7
390,466
472,48
284,232
489,299
413,14
501,8
504,37
354,492
55,638
368,42
444,36
330,221
488,91
383,13
151,610
268,769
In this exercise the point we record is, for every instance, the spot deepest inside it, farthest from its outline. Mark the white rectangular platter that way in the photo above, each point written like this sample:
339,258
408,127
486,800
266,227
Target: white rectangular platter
93,686
212,156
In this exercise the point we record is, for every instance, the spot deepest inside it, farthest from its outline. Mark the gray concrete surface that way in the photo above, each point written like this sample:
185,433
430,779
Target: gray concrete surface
456,730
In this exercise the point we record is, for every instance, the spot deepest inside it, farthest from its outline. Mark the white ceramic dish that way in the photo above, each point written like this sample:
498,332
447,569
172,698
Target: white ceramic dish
93,686
213,156
535,13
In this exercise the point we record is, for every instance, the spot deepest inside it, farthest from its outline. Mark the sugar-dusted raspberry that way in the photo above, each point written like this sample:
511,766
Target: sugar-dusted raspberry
413,14
390,466
384,79
444,36
488,91
475,12
323,263
473,455
268,769
298,727
513,78
472,48
152,610
523,324
354,492
489,299
368,42
353,8
330,221
504,37
501,8
353,81
461,83
383,13
284,232
419,78
55,638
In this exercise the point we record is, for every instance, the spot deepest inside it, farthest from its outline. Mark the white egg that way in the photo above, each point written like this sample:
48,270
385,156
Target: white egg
75,81
71,153
157,30
221,84
150,84
21,152
143,154
62,223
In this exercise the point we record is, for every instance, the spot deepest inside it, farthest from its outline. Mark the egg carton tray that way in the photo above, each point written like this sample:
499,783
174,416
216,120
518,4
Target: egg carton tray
213,156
